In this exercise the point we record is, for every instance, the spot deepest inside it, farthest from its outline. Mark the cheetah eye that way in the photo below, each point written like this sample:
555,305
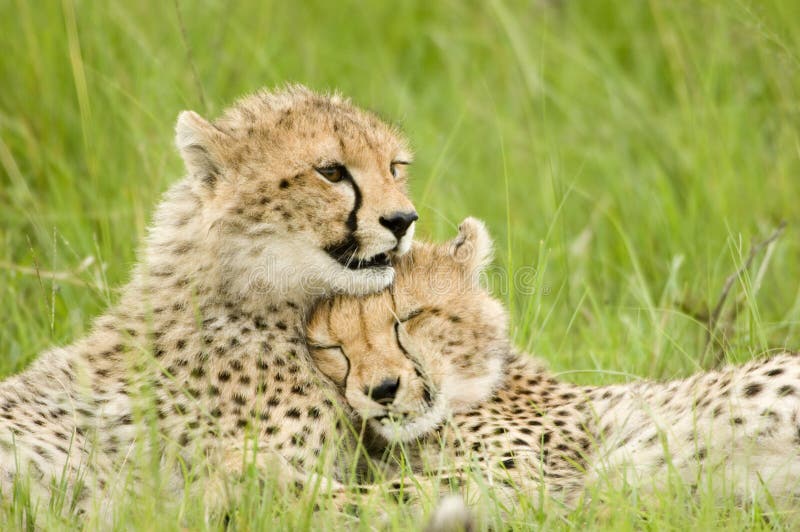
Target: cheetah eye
413,314
332,361
333,173
394,168
323,347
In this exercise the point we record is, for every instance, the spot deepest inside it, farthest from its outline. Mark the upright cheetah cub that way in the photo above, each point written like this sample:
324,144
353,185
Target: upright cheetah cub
290,196
421,348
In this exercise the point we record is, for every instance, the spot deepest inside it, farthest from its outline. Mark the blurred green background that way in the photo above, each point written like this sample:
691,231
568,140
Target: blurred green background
628,151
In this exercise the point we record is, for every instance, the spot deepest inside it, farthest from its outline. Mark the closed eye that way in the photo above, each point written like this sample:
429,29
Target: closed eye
332,361
397,325
413,314
318,346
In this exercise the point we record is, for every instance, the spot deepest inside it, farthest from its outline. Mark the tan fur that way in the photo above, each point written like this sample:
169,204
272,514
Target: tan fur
737,429
437,330
734,430
207,341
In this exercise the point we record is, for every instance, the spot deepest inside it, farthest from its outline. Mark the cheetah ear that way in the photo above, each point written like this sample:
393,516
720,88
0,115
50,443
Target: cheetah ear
199,142
473,246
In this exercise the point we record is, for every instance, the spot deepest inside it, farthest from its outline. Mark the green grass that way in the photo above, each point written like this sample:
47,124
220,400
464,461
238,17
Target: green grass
627,151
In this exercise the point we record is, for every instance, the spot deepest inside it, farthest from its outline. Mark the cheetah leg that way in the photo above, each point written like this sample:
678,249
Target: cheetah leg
412,492
222,486
453,490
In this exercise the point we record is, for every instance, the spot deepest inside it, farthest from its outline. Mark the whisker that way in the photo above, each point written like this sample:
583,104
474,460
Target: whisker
352,251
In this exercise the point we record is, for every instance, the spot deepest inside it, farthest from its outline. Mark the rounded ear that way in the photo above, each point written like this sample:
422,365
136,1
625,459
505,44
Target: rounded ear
473,246
199,144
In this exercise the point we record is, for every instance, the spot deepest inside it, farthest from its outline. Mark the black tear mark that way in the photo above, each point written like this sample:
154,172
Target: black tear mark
352,219
349,245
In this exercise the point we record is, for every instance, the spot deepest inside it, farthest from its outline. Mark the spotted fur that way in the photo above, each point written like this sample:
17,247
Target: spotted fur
737,429
529,432
207,340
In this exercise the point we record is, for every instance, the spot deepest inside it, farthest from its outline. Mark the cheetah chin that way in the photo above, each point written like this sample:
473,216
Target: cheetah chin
346,254
362,273
406,427
453,395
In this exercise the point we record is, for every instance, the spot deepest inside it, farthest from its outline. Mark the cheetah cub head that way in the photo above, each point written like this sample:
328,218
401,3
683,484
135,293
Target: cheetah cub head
433,344
296,190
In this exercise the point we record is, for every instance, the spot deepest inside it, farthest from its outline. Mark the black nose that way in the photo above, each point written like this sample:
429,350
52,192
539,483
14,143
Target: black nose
398,222
384,392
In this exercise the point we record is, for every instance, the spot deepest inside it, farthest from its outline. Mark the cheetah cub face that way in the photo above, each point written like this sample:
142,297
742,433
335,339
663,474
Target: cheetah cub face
433,344
299,191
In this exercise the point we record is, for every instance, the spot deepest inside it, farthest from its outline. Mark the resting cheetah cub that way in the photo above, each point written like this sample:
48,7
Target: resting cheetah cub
436,341
419,363
739,427
290,196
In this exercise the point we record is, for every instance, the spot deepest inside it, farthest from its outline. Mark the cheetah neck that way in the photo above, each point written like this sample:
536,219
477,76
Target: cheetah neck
182,261
187,300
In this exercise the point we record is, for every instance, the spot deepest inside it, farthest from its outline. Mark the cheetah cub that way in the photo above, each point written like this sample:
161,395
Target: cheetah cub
416,352
435,342
429,362
290,196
